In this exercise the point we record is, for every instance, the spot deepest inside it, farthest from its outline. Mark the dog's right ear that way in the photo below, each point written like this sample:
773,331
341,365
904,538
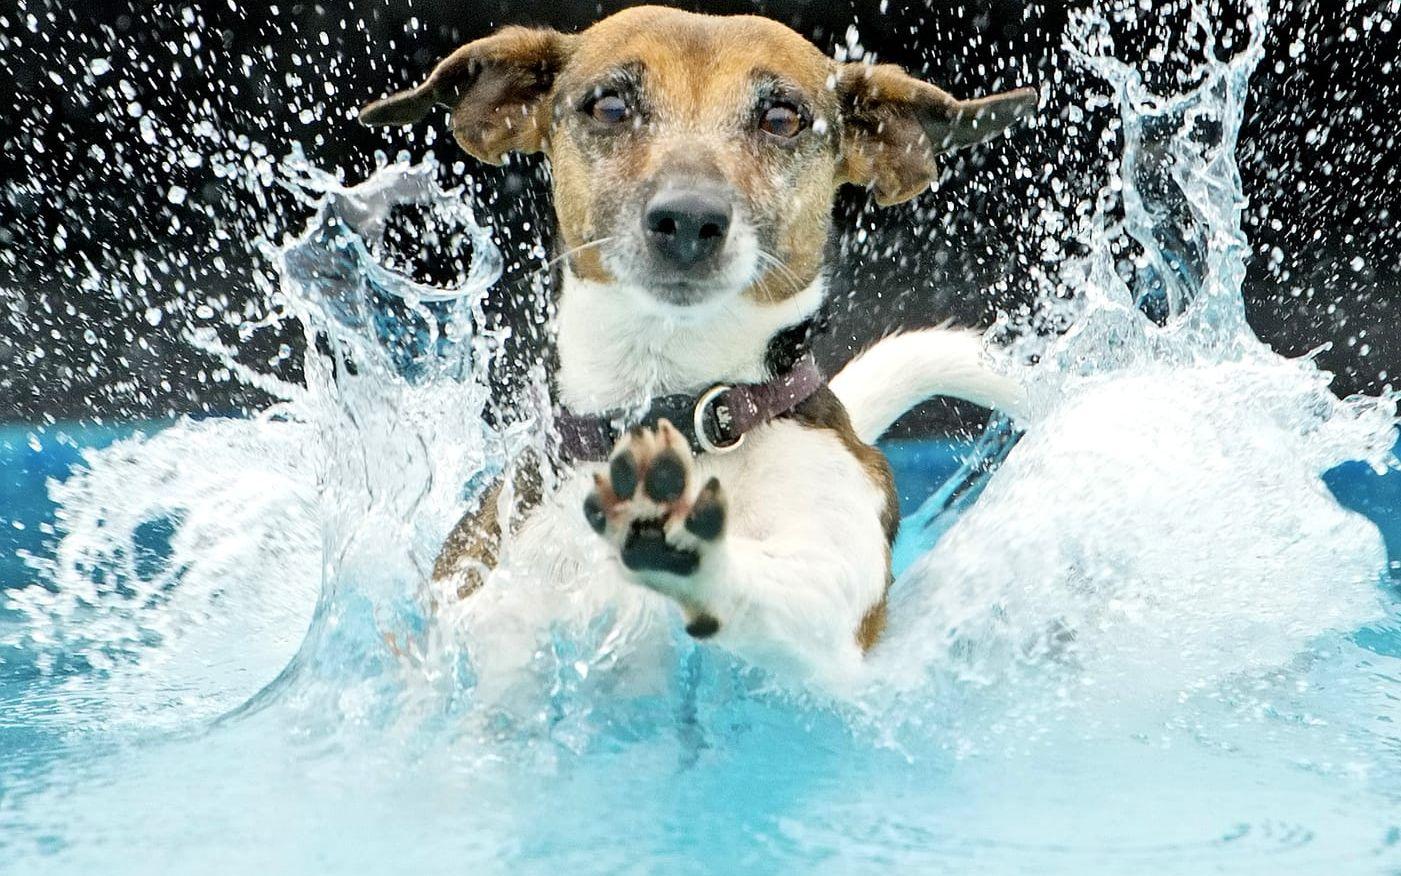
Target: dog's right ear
895,126
497,88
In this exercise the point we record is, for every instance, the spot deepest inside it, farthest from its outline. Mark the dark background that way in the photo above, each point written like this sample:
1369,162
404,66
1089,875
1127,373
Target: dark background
120,227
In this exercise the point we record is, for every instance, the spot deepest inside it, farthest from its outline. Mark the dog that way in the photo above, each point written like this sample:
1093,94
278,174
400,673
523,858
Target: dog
710,471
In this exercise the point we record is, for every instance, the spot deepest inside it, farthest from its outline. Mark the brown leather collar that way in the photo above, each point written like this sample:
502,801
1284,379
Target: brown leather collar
713,421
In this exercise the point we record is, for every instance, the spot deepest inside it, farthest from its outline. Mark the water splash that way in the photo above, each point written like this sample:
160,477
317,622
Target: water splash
1167,450
185,552
1163,522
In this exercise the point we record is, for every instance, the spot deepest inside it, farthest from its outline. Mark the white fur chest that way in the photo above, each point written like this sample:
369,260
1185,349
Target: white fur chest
619,346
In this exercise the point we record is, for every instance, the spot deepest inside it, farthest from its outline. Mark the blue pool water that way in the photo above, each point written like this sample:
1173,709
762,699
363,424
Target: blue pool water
747,783
30,457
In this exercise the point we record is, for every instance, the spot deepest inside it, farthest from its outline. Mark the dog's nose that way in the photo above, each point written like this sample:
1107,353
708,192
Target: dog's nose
686,227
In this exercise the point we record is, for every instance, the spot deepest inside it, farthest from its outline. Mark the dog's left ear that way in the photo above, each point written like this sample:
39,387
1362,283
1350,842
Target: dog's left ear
497,88
893,126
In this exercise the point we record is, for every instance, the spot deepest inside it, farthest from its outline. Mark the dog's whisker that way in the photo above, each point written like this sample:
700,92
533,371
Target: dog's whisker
771,259
578,249
794,281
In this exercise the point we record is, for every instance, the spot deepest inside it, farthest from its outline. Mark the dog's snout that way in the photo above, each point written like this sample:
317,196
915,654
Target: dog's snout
686,227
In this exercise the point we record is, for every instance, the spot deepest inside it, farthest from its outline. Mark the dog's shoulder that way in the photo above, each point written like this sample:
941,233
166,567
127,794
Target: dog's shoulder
823,410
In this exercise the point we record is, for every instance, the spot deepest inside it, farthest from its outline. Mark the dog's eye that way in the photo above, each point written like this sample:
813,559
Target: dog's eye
782,120
610,109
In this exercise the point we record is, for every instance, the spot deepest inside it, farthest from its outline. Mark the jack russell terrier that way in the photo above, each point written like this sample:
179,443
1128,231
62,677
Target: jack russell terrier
708,464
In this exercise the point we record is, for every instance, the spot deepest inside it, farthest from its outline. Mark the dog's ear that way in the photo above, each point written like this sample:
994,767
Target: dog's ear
893,126
497,88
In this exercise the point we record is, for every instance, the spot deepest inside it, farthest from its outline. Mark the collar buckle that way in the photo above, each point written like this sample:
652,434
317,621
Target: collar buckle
700,420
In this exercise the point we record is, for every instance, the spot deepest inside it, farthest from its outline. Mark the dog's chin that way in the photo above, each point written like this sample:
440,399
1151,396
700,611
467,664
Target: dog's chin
688,294
683,297
683,293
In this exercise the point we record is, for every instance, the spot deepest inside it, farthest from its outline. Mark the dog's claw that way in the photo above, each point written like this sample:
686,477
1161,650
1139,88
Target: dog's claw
666,525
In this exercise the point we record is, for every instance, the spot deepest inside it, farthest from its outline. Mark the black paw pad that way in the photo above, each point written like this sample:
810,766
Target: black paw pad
666,479
593,513
646,550
703,627
622,473
707,518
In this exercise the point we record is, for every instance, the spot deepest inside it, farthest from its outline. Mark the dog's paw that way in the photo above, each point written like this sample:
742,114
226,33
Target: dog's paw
648,505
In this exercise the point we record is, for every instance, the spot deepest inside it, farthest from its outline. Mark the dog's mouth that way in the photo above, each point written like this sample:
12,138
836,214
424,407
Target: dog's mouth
687,292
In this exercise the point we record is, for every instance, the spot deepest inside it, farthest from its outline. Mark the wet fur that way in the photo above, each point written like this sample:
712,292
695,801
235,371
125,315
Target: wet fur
779,551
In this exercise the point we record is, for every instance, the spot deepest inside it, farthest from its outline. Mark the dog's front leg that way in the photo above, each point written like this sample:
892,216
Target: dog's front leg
664,529
791,600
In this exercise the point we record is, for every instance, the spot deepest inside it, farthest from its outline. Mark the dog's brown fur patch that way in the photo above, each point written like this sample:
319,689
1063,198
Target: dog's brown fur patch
872,624
474,544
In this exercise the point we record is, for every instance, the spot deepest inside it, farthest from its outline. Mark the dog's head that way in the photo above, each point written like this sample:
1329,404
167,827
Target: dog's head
697,156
